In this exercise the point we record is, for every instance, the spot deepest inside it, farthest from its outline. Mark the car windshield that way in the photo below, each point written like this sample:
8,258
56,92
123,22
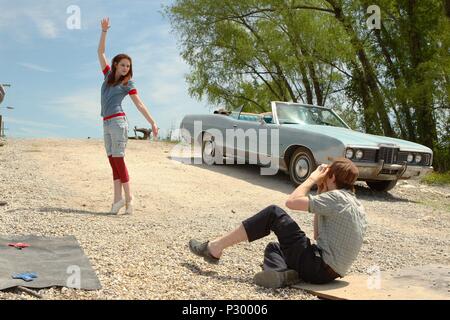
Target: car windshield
298,114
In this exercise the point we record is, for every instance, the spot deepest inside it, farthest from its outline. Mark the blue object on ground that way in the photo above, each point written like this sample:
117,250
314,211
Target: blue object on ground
52,259
27,276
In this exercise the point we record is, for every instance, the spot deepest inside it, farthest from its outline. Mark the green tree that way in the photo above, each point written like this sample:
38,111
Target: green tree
322,52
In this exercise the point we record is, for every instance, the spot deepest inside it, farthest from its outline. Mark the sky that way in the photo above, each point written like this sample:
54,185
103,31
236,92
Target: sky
55,75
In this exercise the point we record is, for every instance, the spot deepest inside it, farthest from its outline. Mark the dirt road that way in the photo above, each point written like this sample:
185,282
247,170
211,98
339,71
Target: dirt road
64,187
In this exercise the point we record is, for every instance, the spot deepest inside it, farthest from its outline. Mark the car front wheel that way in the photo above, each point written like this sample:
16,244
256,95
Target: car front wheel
382,186
301,166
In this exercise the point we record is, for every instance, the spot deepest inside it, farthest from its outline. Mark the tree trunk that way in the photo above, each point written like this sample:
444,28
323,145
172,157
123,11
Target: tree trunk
368,71
426,124
371,121
294,38
395,73
316,84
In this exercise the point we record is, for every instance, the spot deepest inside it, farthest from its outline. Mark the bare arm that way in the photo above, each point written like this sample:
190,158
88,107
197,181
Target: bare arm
102,45
298,200
143,109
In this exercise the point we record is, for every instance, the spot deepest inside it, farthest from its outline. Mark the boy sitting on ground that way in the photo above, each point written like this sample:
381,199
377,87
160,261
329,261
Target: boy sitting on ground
339,227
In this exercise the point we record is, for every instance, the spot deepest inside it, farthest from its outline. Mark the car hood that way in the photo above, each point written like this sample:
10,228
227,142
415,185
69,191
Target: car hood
355,138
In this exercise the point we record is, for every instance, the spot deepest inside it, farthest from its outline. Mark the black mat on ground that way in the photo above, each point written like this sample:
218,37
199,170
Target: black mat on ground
57,262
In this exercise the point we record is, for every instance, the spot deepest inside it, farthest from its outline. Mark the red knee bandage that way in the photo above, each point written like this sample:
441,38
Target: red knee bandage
114,169
121,169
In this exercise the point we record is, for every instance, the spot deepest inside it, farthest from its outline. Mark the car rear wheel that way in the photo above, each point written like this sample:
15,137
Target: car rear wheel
210,152
382,186
301,165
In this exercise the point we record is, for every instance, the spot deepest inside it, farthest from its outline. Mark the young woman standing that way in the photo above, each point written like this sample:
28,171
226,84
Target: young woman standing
116,86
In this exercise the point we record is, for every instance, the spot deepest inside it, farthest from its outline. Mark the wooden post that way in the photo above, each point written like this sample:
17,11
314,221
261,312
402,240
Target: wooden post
2,133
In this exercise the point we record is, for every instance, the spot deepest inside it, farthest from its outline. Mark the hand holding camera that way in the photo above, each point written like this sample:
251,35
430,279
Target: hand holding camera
319,175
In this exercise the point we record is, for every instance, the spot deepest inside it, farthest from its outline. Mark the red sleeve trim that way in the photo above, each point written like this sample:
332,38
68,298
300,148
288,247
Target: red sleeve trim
107,68
132,91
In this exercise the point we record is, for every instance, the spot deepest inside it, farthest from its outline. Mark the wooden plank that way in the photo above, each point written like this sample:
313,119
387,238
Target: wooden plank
427,282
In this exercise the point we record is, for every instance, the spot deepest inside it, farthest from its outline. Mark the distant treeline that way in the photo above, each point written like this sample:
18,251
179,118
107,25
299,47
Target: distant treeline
392,80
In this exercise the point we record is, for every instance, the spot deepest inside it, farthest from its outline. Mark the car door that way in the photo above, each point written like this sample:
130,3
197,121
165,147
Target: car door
249,140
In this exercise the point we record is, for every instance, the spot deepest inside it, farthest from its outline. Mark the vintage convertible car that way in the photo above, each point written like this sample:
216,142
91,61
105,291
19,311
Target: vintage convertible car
307,137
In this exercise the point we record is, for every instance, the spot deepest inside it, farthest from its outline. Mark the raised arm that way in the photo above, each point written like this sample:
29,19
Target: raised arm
143,109
101,46
298,200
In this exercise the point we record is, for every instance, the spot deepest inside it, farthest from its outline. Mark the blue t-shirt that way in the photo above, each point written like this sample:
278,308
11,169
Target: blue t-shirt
112,96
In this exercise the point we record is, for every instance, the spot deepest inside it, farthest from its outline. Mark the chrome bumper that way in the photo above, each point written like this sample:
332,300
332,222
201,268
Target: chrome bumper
382,171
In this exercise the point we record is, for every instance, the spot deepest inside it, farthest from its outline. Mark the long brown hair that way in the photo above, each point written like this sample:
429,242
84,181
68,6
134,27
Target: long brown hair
123,79
345,173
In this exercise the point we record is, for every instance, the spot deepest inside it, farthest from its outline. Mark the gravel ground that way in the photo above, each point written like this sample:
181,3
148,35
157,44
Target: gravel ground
64,187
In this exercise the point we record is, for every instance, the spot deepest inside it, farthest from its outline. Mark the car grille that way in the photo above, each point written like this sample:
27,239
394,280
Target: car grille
369,155
389,155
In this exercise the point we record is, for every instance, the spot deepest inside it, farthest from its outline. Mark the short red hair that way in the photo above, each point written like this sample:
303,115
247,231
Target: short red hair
345,173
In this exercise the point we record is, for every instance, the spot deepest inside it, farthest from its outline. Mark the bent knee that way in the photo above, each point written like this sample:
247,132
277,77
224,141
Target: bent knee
275,210
272,246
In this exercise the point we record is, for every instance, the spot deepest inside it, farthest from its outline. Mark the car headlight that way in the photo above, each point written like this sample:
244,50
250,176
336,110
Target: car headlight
349,153
410,158
418,158
359,154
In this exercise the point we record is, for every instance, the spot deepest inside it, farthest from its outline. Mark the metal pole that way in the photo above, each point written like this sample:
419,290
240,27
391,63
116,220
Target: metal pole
2,95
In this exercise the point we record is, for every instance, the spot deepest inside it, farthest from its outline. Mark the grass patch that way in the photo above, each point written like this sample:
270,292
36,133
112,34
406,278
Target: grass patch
437,178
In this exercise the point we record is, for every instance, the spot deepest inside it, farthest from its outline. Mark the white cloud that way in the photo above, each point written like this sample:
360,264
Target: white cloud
47,28
159,68
159,72
32,132
31,123
83,106
21,19
15,18
34,67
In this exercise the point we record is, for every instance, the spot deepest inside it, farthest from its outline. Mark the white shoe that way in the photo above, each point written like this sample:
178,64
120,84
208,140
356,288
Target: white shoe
129,207
115,208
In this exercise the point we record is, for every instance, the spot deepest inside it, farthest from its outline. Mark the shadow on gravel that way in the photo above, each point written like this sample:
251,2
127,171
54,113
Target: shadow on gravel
364,193
281,182
249,173
77,211
212,274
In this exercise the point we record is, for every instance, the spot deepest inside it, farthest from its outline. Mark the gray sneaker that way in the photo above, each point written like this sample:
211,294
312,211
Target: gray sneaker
276,279
201,250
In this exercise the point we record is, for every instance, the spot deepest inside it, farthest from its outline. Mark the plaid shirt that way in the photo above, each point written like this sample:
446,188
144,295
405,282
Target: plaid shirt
341,226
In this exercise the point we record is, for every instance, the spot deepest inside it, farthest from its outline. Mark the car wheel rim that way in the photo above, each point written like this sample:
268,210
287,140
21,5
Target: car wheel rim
209,148
302,168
